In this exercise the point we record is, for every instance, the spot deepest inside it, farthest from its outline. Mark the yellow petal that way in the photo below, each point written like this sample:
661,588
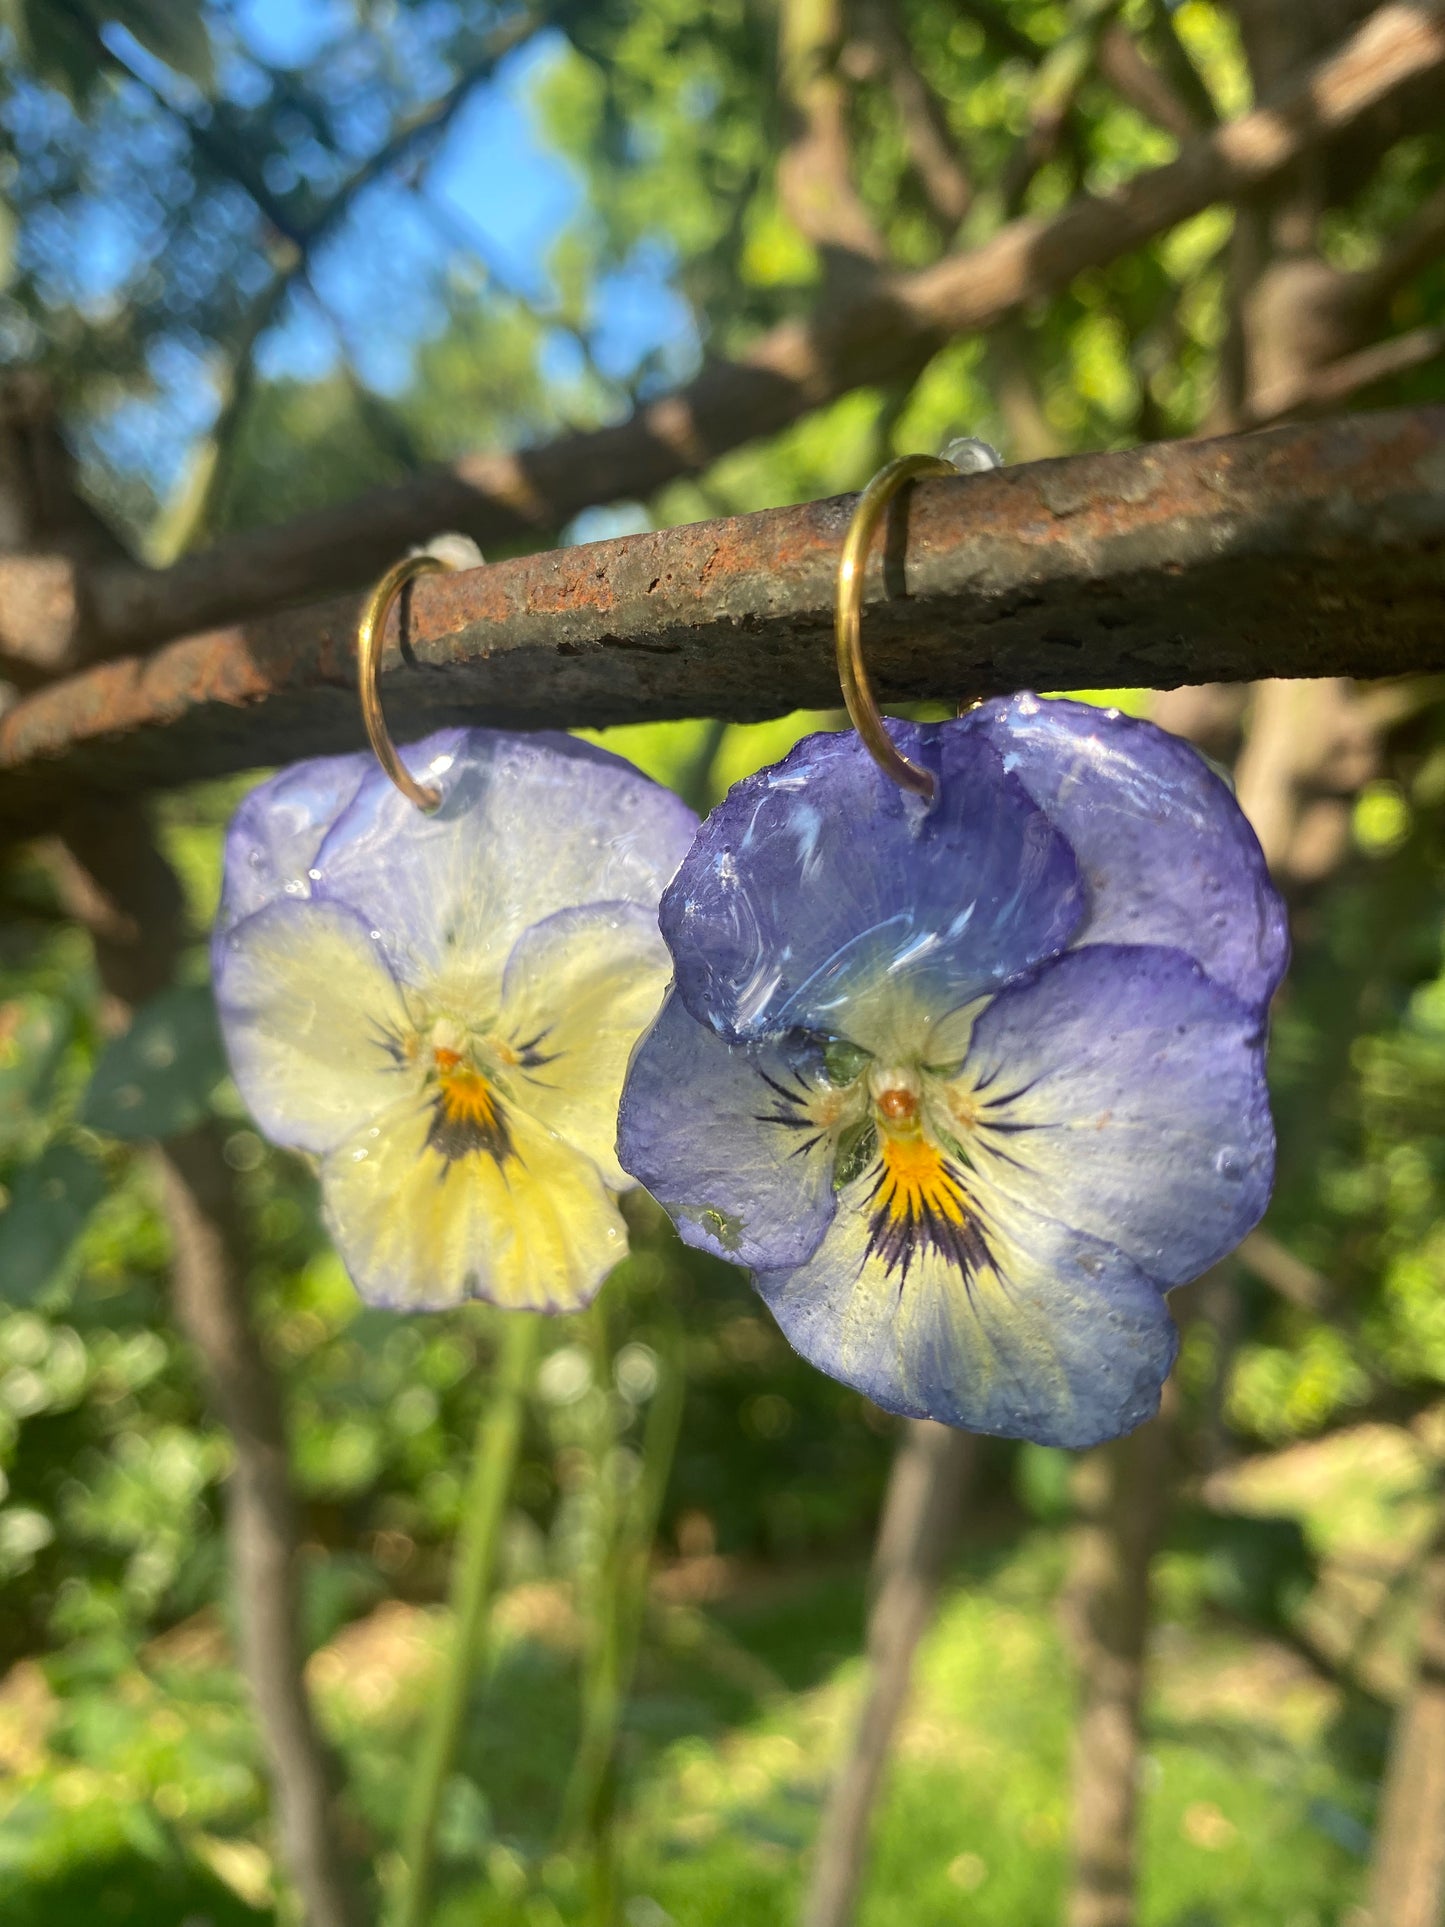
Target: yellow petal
580,990
529,1225
314,1022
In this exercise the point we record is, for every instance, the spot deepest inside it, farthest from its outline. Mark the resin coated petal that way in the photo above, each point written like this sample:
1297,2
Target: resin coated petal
527,826
1045,1335
1167,854
700,1127
537,1230
312,1020
278,827
818,883
1122,1092
579,991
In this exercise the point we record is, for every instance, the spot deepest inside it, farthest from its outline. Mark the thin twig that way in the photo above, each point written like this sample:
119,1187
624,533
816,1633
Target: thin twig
1321,390
1184,77
300,238
1137,81
932,147
1061,74
1275,1265
815,170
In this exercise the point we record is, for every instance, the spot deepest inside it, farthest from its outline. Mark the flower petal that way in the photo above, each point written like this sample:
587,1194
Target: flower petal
313,1021
1168,855
273,838
579,991
1027,1330
537,1230
1122,1092
719,1134
528,825
818,883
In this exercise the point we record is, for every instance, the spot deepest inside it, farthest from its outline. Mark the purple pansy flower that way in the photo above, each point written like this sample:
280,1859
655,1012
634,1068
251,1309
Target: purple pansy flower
440,1007
970,1085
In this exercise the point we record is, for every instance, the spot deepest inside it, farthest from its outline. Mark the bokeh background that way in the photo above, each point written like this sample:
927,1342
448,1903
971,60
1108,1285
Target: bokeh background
256,255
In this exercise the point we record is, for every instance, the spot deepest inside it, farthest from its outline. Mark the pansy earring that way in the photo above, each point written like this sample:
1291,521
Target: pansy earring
965,1054
430,975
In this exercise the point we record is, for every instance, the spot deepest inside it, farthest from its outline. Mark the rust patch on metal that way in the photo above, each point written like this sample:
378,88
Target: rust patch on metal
1317,549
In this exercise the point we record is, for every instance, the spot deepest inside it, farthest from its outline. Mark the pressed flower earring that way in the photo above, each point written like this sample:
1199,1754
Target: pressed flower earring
430,976
965,1055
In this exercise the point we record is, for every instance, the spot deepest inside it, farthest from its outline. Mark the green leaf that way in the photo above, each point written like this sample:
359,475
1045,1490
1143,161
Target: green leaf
58,45
49,1204
158,1078
175,32
33,1033
53,46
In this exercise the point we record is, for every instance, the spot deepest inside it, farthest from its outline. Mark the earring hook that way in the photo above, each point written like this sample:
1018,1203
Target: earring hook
962,456
369,632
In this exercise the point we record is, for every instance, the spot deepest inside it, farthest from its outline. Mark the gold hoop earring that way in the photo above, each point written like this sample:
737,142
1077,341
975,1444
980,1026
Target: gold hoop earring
863,710
369,632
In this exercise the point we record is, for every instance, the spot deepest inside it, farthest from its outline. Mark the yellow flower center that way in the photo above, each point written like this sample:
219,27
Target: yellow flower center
917,1202
468,1114
918,1183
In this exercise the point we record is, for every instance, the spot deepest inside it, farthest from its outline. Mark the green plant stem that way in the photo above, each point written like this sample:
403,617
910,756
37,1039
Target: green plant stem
587,1806
695,784
620,1581
494,1464
659,1445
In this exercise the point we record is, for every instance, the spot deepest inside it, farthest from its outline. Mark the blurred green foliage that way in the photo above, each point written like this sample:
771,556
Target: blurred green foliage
162,181
109,1541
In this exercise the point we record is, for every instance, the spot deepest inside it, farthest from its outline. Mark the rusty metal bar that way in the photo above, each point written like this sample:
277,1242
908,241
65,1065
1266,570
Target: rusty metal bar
881,332
1302,551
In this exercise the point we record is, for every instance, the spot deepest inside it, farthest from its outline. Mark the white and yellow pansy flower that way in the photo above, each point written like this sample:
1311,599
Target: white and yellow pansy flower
440,1008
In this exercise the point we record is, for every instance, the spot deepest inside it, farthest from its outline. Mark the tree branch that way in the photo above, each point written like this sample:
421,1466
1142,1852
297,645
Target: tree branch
1321,390
884,333
927,135
1305,551
1174,58
915,1535
299,239
1008,37
1275,1265
1420,242
232,162
428,124
1061,74
124,891
1138,82
1407,1877
1311,745
1122,1491
815,173
263,1530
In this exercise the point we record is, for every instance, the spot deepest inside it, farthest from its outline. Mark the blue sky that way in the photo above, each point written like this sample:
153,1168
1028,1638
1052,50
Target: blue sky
493,180
492,191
